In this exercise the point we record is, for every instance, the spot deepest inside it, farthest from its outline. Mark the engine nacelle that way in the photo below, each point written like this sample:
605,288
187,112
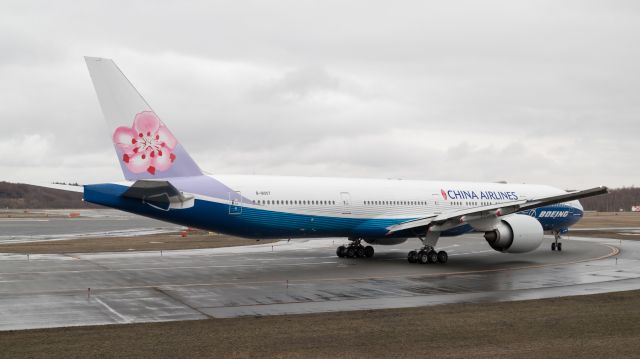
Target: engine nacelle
385,241
516,233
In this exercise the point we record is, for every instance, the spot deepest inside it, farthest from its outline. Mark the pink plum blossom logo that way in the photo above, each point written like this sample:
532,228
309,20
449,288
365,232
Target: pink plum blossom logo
147,145
444,194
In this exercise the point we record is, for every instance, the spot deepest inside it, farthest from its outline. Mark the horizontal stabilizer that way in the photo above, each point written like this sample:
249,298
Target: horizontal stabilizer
159,194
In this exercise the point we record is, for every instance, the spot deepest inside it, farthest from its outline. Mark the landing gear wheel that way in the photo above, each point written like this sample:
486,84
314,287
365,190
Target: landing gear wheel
432,256
368,251
412,257
423,257
443,257
559,246
340,252
553,246
351,252
360,252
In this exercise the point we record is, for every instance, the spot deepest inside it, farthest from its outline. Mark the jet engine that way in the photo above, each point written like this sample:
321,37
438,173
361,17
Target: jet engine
516,233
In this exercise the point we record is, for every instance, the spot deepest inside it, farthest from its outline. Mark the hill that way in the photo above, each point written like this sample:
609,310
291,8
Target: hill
24,196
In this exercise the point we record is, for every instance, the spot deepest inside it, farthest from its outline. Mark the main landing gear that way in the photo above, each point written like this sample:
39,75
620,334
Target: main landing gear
556,245
427,255
355,249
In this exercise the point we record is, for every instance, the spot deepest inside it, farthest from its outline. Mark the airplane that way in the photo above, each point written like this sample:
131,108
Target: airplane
162,181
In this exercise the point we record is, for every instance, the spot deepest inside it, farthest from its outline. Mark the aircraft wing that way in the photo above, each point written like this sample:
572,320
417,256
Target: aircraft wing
452,219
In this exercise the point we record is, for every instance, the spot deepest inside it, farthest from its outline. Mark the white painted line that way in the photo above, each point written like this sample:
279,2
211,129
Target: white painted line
123,319
465,253
168,268
22,220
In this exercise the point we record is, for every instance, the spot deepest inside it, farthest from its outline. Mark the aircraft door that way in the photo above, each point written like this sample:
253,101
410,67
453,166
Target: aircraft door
345,198
235,203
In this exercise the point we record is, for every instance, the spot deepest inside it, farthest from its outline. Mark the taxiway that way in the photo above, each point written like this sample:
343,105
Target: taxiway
39,291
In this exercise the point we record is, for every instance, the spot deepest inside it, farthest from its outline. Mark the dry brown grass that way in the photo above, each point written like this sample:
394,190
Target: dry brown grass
32,214
598,326
152,242
609,219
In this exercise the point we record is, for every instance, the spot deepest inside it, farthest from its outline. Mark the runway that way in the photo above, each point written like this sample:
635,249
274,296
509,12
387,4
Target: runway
295,277
91,223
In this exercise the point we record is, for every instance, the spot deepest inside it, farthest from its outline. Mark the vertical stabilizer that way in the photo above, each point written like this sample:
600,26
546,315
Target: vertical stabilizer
145,147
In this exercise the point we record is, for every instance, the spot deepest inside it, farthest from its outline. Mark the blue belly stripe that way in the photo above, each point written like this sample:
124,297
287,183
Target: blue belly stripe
264,223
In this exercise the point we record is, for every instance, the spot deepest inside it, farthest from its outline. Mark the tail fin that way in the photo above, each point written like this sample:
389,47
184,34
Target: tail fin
145,147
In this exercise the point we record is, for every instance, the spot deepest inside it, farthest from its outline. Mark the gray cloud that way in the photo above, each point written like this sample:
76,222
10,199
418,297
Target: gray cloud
530,91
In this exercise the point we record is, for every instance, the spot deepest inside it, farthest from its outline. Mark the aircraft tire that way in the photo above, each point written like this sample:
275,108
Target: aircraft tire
351,252
423,257
368,251
559,246
340,252
443,257
432,256
412,257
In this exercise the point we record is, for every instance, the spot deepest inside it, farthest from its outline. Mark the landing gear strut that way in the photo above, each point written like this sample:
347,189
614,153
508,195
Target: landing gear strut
428,254
556,245
355,249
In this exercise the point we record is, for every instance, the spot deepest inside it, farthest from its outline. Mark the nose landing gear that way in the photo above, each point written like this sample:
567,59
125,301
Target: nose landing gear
355,249
556,245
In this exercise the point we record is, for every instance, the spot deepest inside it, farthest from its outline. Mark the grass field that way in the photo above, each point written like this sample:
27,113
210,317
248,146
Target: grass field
596,326
152,242
609,219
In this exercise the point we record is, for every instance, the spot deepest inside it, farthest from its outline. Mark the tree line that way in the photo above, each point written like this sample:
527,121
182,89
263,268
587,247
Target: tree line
617,199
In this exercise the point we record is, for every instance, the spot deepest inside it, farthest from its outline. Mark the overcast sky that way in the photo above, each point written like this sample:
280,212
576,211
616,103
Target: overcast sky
523,91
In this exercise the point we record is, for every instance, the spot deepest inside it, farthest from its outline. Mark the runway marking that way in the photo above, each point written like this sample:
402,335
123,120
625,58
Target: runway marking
614,251
465,253
22,220
182,302
277,259
123,319
160,268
